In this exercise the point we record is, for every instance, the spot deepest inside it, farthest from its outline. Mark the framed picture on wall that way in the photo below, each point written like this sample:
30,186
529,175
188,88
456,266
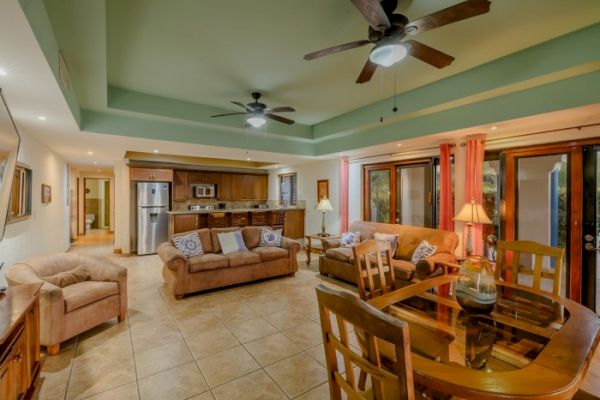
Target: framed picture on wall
46,194
322,189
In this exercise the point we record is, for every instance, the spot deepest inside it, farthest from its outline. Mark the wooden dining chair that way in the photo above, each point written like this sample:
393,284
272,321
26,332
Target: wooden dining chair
372,261
392,383
508,259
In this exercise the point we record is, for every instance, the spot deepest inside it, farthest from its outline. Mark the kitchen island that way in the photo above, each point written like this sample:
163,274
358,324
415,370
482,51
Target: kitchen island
290,219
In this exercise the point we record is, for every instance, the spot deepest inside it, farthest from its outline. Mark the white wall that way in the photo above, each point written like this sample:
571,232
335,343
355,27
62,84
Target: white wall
307,177
47,231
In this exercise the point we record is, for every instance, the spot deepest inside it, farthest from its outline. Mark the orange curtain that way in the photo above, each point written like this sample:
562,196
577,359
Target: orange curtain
473,186
446,200
344,167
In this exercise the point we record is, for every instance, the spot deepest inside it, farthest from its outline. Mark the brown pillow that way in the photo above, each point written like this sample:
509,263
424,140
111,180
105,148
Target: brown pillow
71,277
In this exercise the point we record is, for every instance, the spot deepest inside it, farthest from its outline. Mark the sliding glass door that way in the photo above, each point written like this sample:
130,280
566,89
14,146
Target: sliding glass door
591,228
379,186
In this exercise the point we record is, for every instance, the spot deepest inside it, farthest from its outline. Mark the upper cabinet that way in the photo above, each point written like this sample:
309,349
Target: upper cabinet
151,174
230,186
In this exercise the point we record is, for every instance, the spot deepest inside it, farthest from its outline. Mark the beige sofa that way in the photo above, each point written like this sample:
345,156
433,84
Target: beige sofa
213,269
68,311
339,261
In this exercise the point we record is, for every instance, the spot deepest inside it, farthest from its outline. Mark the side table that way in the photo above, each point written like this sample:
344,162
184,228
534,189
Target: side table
311,247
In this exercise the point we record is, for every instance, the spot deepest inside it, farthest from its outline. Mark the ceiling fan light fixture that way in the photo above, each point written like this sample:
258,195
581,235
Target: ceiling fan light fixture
256,120
388,53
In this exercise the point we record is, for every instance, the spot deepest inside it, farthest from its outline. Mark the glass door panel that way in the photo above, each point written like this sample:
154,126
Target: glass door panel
380,199
413,195
591,228
542,212
491,205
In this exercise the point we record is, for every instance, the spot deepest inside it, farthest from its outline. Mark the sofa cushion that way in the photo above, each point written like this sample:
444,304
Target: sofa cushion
206,262
403,269
269,253
423,250
71,277
83,293
214,232
251,236
188,244
349,239
270,237
343,254
232,242
204,235
240,258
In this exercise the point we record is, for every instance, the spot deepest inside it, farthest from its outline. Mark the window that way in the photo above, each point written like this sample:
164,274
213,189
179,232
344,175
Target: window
20,197
491,202
288,189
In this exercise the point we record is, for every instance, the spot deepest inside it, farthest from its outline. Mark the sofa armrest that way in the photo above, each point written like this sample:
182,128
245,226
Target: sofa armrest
103,270
173,258
330,244
433,266
52,314
293,247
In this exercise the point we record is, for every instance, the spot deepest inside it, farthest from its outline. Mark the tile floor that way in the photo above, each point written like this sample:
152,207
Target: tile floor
256,341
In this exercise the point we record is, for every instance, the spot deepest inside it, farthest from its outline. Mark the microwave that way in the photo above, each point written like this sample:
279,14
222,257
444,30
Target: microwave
204,190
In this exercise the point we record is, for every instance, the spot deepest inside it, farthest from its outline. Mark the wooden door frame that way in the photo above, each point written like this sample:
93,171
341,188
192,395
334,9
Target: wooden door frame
574,150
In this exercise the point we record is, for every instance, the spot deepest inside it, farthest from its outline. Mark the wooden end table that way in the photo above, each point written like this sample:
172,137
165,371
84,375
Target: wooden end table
316,248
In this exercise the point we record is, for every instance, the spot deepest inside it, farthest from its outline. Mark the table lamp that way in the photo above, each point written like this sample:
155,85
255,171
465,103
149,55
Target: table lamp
324,206
472,213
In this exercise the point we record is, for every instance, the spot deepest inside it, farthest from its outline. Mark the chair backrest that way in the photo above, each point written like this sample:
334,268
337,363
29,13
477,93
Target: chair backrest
508,258
394,382
374,274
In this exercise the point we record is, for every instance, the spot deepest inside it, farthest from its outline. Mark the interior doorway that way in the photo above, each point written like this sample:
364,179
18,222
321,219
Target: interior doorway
96,205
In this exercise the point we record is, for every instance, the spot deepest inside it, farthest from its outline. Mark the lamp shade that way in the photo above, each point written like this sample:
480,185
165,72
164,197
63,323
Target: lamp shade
324,205
472,213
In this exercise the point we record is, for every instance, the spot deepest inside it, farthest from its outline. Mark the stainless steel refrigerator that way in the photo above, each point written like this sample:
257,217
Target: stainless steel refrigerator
152,216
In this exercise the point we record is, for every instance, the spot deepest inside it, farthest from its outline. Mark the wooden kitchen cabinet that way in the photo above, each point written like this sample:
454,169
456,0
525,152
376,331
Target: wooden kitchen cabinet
180,186
293,226
195,178
182,223
225,190
150,174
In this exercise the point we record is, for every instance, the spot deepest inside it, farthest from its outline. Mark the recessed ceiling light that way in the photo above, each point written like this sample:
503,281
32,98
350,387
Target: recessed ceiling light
41,118
494,127
247,158
399,144
155,151
3,72
95,162
90,153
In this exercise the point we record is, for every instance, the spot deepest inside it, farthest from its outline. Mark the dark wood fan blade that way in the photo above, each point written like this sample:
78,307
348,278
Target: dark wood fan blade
374,13
278,118
225,115
245,107
458,12
389,6
428,54
367,72
280,109
336,49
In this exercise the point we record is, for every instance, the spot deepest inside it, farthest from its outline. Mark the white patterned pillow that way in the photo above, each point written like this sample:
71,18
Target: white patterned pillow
189,244
423,250
231,242
270,238
388,237
350,239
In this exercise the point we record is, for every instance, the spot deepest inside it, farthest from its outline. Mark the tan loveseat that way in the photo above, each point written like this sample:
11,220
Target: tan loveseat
73,309
339,261
213,269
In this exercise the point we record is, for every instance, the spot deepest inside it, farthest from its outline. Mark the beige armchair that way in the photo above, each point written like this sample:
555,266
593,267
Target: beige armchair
68,311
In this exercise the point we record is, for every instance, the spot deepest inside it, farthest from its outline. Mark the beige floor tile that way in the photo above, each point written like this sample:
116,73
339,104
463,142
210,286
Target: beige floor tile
211,342
297,374
195,324
156,335
252,329
272,348
125,392
318,353
254,386
306,335
286,319
204,396
234,313
89,377
52,385
160,358
227,365
178,383
321,392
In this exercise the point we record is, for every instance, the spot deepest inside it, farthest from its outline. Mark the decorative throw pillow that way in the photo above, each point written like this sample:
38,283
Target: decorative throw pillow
231,242
189,244
71,277
423,250
388,237
350,239
270,238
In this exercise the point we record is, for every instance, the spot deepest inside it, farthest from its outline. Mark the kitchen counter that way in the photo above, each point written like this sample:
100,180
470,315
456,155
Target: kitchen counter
235,210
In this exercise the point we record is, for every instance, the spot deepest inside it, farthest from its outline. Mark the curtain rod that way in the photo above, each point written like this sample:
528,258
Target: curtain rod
580,127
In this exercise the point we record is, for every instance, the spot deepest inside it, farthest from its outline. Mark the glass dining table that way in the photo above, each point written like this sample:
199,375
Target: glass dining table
532,345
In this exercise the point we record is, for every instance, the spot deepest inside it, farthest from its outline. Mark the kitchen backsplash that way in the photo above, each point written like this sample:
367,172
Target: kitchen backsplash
184,205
